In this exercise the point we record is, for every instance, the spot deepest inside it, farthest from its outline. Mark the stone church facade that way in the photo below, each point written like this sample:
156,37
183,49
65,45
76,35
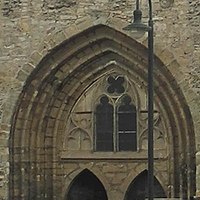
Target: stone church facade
69,73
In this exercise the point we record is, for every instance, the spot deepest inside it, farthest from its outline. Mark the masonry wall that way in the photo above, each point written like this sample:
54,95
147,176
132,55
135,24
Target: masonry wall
27,34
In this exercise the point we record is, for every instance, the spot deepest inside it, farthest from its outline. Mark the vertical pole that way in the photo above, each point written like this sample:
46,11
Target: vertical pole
137,4
150,108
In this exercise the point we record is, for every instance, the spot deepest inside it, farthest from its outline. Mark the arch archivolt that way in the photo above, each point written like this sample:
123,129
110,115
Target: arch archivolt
59,80
56,38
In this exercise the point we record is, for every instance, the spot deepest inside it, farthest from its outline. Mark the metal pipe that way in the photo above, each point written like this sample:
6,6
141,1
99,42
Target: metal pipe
137,25
150,10
137,5
150,107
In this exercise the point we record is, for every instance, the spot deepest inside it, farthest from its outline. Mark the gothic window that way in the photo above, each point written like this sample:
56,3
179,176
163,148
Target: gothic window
127,125
115,119
104,125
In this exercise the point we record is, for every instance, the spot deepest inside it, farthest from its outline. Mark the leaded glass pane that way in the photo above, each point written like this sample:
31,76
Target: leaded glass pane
104,125
127,125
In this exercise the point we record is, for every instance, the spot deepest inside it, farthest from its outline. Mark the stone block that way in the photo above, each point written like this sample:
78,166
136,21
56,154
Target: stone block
59,37
35,58
166,56
22,76
28,68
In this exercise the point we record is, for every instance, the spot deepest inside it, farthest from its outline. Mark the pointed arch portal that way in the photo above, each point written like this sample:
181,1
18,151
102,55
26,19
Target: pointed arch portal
138,189
53,88
86,186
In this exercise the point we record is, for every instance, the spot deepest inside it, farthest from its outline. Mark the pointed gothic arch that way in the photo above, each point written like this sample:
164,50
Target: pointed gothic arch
137,190
86,186
55,85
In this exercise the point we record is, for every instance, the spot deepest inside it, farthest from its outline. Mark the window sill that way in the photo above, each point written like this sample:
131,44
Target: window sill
128,156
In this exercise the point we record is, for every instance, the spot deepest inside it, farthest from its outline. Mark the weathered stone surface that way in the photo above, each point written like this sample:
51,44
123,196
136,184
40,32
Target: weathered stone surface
30,29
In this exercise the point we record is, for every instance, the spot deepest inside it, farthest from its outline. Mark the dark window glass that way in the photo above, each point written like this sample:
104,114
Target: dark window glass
127,125
104,125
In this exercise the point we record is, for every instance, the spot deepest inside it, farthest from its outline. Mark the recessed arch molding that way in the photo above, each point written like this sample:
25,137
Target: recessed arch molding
54,86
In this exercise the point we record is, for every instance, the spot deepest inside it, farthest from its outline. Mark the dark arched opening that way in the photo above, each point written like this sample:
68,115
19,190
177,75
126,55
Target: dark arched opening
86,186
138,189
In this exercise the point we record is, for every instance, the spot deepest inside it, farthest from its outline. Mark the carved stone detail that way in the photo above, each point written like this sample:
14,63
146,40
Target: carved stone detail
159,136
78,139
80,128
82,120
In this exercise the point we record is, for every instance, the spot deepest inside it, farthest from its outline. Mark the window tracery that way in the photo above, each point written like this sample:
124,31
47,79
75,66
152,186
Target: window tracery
111,116
116,119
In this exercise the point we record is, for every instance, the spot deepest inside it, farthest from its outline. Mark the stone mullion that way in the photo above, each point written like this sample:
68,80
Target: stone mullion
115,128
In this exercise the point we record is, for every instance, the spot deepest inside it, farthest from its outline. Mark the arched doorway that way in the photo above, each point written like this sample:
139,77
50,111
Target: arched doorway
138,189
39,123
86,186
